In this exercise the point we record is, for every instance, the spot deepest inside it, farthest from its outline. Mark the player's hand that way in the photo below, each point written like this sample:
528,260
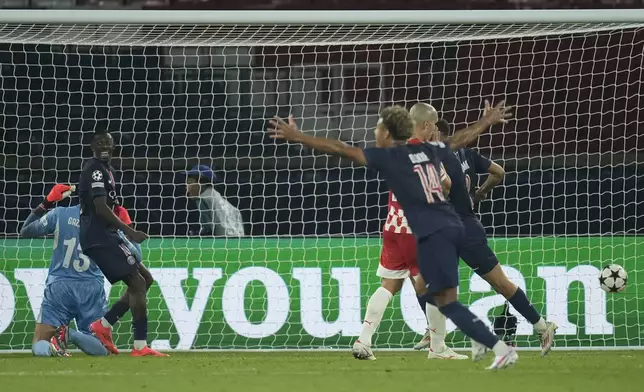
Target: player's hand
499,114
122,214
479,197
138,236
283,130
60,192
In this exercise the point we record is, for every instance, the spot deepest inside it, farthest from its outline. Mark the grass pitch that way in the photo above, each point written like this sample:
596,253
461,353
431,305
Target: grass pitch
585,371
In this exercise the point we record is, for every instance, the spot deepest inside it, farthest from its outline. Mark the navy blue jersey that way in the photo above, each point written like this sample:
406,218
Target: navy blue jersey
459,194
472,164
96,180
412,172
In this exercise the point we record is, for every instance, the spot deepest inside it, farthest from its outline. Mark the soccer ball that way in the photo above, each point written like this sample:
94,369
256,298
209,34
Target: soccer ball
613,278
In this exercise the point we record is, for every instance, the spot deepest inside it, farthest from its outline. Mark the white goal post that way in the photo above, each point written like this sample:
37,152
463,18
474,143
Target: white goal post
191,87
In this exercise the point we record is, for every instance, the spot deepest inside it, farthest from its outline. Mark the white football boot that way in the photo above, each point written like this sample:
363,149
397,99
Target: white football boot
362,351
478,351
424,342
504,361
445,353
548,337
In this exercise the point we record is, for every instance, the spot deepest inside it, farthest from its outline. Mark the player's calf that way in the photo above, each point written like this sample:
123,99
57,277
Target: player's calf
138,304
469,324
147,276
519,300
88,344
376,308
44,331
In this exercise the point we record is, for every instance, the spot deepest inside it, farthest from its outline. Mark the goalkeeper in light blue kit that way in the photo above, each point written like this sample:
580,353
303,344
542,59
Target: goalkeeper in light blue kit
74,287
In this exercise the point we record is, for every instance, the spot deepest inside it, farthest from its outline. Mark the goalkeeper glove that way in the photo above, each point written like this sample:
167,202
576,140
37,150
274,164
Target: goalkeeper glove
58,193
122,214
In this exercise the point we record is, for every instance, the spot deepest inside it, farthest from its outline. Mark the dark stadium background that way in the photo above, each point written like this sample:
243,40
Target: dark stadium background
574,157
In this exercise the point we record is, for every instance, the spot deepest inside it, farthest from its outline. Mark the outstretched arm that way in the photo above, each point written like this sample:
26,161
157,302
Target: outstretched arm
34,226
499,114
290,132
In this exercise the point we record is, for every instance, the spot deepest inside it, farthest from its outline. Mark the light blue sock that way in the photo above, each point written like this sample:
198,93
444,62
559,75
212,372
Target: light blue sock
41,349
87,343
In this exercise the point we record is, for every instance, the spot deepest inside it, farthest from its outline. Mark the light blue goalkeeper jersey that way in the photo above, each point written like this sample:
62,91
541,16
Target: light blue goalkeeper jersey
67,261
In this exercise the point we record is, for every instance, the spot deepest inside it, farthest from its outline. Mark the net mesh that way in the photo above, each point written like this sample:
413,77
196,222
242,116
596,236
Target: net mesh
177,96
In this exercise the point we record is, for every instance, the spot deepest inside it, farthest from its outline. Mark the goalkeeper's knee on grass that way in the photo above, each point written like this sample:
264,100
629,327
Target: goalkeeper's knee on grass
41,348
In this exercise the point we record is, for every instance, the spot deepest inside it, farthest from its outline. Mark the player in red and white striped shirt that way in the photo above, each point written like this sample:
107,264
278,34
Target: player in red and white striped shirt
398,261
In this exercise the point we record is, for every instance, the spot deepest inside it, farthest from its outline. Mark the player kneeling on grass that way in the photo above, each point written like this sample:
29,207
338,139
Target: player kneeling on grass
74,286
398,261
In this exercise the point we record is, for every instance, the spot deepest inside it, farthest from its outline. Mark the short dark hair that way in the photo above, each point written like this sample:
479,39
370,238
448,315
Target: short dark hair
99,133
398,122
443,127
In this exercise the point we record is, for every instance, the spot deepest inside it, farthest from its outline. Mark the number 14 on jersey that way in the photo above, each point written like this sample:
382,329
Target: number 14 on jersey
430,180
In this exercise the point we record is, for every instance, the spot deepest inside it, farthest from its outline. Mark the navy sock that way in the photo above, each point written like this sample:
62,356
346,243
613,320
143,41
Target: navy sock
430,299
140,327
467,322
116,311
424,299
422,302
521,303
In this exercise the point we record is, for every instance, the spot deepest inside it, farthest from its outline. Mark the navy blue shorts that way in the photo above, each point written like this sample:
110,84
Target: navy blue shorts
438,258
474,249
114,258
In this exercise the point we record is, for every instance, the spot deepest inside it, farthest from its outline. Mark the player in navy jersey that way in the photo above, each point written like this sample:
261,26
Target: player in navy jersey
74,285
462,166
100,241
411,171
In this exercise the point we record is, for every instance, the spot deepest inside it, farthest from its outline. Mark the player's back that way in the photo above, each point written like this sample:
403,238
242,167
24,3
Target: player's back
459,194
412,173
68,261
472,164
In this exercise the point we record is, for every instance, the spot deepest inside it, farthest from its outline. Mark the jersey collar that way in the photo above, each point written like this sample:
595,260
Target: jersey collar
414,140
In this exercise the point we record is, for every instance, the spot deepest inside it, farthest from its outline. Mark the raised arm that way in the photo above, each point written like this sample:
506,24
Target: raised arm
35,226
499,114
290,132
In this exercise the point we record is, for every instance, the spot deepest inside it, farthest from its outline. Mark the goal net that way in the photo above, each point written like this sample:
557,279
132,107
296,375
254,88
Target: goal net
178,95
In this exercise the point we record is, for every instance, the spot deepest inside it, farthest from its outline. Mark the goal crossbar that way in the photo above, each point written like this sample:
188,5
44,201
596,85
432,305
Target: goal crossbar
322,17
253,28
